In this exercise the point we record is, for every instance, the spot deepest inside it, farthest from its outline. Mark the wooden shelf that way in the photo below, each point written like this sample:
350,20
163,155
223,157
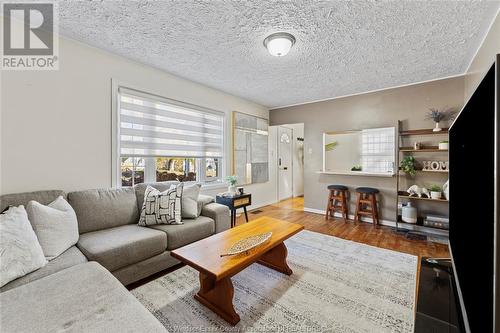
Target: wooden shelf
403,194
427,171
433,149
426,131
419,226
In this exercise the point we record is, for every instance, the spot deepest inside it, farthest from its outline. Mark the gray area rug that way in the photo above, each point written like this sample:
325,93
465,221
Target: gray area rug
337,286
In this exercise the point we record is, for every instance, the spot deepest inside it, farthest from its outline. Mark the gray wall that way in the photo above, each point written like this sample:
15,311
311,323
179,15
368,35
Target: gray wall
377,109
484,58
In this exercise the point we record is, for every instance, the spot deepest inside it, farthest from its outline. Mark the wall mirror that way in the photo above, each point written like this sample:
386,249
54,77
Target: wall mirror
250,148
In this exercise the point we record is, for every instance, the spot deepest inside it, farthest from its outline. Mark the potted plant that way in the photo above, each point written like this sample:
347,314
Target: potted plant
440,115
408,165
357,168
231,180
435,191
443,145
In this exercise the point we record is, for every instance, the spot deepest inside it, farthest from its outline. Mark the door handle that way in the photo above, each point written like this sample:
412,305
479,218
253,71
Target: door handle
279,161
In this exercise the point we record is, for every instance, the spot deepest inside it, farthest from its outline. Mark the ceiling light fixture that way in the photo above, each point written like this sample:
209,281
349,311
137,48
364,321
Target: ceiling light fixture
279,44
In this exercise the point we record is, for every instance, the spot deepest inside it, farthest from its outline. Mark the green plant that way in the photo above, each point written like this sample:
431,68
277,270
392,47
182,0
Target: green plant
232,180
435,188
408,164
330,146
437,115
444,141
357,168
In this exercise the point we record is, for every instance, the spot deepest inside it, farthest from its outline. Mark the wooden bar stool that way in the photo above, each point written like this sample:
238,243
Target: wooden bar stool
366,204
337,201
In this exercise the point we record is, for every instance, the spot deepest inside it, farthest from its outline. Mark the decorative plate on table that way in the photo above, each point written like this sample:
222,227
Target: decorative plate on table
248,243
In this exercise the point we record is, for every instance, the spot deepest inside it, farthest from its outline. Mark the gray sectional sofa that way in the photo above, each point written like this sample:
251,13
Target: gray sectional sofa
110,238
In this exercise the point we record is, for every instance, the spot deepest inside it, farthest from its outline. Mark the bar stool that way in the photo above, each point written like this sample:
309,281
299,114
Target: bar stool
337,201
366,204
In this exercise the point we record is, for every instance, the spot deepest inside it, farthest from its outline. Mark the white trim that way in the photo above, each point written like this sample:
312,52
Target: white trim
366,92
357,173
351,217
388,223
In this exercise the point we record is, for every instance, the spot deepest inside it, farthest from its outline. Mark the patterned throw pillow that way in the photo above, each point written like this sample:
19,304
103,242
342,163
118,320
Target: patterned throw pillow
162,207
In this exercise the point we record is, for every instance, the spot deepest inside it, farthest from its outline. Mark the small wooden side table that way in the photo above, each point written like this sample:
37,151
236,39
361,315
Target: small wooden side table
238,201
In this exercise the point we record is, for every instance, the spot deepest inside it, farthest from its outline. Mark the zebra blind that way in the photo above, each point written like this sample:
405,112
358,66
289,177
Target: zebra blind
151,126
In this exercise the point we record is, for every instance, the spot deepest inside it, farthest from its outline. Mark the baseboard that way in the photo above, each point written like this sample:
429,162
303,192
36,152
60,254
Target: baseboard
351,217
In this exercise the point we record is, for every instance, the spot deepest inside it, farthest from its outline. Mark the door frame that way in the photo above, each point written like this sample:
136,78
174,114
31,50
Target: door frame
278,139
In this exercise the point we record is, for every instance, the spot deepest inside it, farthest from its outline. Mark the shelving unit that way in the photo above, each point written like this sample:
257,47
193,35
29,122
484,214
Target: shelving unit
402,196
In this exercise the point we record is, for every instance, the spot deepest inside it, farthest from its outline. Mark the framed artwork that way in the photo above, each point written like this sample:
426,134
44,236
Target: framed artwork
250,148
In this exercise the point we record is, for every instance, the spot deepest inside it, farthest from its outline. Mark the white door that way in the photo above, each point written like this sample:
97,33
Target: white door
285,172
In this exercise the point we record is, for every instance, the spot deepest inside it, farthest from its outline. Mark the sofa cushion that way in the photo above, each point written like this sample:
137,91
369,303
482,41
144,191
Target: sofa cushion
118,247
104,208
141,188
190,207
55,226
191,231
18,199
70,257
83,298
20,251
162,207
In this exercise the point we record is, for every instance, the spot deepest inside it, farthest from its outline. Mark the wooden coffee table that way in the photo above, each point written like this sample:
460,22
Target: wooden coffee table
216,289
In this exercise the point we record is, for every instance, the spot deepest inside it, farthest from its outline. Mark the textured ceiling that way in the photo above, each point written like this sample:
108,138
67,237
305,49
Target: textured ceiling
342,47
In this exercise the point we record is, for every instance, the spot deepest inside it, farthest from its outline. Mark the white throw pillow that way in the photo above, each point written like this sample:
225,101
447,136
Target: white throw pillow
55,226
190,196
162,207
20,251
202,201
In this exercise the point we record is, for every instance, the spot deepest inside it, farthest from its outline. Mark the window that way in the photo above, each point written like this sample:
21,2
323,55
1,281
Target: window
377,150
162,140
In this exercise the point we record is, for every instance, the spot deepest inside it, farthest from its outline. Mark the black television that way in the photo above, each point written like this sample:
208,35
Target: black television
474,211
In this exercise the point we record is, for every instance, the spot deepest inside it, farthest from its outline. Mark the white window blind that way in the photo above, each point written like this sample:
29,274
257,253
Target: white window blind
151,126
377,150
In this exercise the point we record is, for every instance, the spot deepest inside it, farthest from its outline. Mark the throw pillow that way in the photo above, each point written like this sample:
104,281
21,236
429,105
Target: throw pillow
162,207
55,226
202,201
190,201
20,251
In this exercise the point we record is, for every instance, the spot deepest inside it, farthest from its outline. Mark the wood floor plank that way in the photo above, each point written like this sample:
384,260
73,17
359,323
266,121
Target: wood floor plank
292,210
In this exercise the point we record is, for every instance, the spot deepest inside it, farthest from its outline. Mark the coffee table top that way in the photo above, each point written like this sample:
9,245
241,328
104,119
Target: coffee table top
204,255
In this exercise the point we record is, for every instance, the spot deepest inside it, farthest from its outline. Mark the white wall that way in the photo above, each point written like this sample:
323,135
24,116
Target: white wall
56,125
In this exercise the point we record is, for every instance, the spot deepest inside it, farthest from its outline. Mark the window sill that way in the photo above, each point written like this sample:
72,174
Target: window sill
357,173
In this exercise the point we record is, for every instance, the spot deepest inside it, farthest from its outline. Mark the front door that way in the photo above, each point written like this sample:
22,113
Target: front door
285,171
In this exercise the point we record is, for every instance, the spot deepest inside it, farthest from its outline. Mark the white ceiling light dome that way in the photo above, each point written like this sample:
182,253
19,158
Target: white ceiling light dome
279,44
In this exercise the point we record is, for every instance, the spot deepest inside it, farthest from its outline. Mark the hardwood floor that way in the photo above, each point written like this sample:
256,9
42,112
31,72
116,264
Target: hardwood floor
385,237
292,210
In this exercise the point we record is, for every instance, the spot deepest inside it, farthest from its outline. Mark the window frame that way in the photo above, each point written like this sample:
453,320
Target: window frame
150,165
391,152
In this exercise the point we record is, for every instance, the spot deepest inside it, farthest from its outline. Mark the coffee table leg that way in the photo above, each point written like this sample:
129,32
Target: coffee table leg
218,297
276,259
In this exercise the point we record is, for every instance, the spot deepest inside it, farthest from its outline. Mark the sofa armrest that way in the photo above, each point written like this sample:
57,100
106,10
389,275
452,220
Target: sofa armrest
220,214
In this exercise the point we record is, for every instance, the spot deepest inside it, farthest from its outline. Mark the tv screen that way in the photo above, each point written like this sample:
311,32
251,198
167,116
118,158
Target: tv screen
472,209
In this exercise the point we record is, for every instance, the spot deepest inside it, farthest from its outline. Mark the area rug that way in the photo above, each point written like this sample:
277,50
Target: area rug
336,286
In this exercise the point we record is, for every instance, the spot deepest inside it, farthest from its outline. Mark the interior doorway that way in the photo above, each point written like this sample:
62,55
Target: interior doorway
290,177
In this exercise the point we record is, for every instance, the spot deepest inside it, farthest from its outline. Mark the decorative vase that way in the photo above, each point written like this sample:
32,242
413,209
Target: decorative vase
435,195
446,190
443,146
437,128
409,213
231,189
